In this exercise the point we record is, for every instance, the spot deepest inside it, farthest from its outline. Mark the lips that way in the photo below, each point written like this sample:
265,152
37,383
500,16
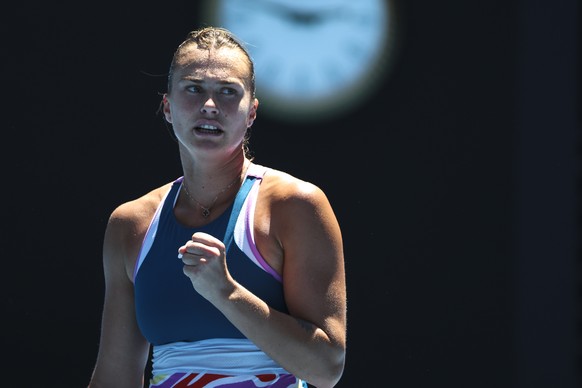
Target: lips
208,129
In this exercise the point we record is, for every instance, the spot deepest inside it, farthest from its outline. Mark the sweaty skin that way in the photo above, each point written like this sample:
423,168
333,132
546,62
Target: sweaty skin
210,107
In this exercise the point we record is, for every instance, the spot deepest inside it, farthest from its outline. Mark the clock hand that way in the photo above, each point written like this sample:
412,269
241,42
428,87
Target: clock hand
294,16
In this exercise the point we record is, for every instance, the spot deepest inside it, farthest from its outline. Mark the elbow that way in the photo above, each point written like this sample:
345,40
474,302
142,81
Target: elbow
331,372
334,375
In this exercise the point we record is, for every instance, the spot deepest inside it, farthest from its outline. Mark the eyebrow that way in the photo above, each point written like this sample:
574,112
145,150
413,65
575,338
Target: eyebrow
201,81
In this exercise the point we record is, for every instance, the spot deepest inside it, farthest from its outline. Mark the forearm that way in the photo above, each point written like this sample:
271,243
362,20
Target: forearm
120,365
300,347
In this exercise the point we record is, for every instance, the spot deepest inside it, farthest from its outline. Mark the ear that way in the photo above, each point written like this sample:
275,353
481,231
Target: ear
252,113
166,108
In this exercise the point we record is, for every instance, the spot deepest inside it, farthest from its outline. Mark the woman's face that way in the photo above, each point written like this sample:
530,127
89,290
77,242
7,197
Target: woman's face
210,105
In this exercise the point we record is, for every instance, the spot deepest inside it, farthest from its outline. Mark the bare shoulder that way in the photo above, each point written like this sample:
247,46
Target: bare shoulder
128,224
283,188
288,211
133,213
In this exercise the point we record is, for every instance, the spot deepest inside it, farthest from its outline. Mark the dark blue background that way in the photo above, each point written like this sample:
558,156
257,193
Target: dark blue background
456,184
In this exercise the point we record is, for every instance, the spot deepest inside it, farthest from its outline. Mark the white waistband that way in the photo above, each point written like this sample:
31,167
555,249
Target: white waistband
221,355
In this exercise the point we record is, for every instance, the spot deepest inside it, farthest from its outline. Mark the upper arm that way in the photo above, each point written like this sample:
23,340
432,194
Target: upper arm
313,264
123,350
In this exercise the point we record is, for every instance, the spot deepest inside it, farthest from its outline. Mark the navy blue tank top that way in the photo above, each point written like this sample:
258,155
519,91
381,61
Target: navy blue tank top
168,308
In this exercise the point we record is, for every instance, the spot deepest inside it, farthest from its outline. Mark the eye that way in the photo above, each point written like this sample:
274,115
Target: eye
193,88
228,91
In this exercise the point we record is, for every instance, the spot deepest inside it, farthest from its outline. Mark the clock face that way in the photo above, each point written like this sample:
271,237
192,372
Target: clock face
312,58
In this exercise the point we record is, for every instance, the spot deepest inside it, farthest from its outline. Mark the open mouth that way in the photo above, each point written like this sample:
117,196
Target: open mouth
208,129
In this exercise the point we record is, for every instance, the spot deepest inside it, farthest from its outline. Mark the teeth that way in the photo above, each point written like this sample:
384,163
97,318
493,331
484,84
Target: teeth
211,127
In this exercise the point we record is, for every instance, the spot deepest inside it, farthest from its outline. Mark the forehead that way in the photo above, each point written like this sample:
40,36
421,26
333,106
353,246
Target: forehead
224,62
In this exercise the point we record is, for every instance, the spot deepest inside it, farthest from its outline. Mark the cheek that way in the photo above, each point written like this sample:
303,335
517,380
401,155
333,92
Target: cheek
243,115
183,109
187,103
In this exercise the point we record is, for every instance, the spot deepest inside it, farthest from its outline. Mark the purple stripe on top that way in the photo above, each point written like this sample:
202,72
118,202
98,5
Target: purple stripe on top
170,381
280,381
249,236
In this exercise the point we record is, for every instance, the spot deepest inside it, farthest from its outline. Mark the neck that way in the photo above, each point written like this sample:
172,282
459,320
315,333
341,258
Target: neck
206,178
207,189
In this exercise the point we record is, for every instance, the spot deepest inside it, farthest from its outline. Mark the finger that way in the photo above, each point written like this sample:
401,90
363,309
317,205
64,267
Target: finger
189,259
202,244
207,239
200,249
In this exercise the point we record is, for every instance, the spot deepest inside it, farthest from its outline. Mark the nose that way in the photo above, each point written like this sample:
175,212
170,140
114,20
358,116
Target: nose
209,107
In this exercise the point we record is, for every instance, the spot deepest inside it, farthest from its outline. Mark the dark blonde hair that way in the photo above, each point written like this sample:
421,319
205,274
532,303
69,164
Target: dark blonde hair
213,38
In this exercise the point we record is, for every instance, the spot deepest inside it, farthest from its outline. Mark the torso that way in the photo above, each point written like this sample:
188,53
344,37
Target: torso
266,235
166,308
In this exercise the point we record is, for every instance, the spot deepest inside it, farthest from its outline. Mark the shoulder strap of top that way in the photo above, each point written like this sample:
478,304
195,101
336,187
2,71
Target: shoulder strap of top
255,172
168,200
238,202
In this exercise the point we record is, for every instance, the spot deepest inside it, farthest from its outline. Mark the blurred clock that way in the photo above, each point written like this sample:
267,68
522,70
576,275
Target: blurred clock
313,59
